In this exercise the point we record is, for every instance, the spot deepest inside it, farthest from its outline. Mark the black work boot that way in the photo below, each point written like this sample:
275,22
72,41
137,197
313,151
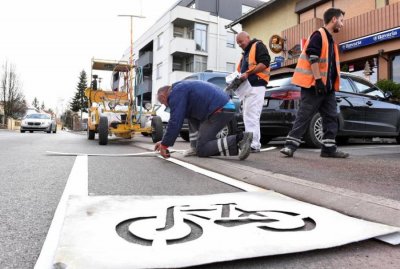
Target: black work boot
287,151
335,154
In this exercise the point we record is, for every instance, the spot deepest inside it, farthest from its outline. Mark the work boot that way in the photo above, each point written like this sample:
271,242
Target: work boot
287,151
254,150
190,152
335,154
245,146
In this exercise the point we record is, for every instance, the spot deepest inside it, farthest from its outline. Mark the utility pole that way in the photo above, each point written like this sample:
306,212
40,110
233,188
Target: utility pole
131,61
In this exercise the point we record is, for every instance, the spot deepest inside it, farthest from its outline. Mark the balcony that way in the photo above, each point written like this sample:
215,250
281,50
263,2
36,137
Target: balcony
145,59
145,86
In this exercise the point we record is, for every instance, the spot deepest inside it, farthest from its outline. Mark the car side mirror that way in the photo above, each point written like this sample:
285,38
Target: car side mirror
388,94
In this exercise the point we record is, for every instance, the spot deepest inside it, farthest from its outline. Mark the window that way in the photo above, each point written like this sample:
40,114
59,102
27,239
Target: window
362,86
179,31
365,68
230,67
159,66
246,9
160,41
220,82
396,69
200,36
200,63
345,85
230,40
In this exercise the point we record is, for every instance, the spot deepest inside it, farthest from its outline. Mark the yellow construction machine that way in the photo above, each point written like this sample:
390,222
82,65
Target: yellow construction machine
113,111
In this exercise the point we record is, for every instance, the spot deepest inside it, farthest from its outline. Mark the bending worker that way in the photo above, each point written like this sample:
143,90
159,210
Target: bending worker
318,74
208,109
254,67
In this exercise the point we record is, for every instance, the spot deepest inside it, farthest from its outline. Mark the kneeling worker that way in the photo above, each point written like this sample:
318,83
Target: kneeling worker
209,109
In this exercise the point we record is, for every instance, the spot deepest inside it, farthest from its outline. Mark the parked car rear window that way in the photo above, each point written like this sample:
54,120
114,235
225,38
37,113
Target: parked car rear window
218,81
345,85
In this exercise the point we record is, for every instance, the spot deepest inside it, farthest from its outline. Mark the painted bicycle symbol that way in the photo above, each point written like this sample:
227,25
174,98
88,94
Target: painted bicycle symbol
184,223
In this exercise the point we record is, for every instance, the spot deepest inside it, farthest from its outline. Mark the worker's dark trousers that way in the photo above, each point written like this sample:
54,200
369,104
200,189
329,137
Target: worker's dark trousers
310,104
203,135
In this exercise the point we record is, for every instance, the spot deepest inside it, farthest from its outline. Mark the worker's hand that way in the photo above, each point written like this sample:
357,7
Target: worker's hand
244,76
320,87
162,149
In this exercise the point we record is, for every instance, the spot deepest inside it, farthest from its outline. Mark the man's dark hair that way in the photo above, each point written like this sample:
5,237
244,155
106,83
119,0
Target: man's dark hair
332,12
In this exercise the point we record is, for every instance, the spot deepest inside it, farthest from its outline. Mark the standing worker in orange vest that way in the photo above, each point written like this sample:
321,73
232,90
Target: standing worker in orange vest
318,74
254,66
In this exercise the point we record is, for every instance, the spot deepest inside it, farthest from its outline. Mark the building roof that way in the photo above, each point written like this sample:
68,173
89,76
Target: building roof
248,14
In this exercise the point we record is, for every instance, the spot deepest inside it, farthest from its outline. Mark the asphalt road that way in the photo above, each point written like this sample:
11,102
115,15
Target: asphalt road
31,184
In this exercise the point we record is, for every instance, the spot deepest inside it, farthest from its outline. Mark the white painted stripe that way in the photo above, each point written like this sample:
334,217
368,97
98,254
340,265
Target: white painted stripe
268,149
222,178
143,154
77,184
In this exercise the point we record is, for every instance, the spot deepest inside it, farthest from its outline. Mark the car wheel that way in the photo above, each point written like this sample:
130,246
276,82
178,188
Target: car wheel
22,131
90,134
224,132
49,130
103,131
342,140
31,131
184,135
157,129
398,139
313,137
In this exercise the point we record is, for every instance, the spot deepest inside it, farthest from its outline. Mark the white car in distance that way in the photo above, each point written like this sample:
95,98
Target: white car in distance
38,122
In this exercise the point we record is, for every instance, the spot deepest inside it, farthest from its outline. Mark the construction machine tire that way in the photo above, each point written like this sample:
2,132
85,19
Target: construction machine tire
91,134
103,131
156,129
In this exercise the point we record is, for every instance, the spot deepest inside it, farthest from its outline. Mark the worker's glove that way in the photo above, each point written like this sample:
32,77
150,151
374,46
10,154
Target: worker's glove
162,149
320,87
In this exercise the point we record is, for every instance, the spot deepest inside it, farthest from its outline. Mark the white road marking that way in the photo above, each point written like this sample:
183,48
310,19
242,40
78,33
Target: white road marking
267,149
225,179
77,184
142,154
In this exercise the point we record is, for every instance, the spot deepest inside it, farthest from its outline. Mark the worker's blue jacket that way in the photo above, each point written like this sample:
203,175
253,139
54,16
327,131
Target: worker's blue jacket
192,99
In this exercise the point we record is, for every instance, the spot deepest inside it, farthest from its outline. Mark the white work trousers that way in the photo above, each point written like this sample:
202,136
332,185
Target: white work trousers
253,101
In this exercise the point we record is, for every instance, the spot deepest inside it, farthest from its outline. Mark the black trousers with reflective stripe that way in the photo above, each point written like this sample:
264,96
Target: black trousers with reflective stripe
207,144
310,104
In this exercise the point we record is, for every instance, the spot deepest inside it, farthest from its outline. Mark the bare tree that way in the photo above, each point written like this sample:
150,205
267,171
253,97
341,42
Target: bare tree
11,93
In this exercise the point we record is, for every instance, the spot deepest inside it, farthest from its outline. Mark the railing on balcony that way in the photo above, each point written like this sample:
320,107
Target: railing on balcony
371,22
145,59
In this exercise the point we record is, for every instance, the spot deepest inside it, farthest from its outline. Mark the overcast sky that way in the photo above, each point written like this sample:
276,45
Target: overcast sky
51,41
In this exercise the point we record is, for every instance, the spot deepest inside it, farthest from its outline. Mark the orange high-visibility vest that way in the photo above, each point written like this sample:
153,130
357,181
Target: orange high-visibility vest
265,74
303,75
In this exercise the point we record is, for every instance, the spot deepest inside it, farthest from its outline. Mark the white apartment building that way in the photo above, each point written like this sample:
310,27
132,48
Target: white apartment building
185,40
